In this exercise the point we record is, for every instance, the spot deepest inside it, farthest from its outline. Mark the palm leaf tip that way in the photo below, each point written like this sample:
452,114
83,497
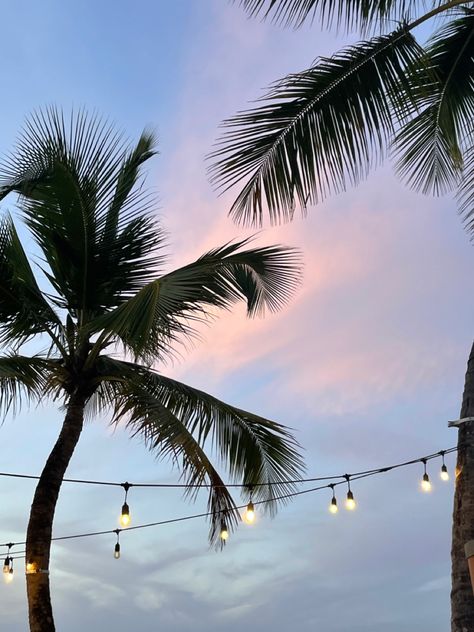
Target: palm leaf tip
317,132
23,378
165,311
430,147
347,13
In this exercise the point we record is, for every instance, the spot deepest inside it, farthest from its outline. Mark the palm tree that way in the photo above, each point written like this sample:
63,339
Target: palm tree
104,313
319,131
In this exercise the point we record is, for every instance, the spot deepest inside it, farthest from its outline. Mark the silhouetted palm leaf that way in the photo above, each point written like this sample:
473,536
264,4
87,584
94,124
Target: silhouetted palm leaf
319,131
77,181
180,421
430,146
164,310
24,310
350,13
22,377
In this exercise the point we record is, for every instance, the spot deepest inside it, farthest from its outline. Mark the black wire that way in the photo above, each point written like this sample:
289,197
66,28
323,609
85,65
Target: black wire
240,485
353,477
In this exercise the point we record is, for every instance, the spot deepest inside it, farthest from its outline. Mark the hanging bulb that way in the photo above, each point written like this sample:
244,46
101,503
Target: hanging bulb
350,502
224,531
125,515
117,545
425,481
249,515
8,560
444,474
30,568
8,577
333,506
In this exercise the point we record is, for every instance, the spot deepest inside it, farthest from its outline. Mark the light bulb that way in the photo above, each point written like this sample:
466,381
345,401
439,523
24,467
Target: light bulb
8,577
6,565
125,516
350,502
224,532
444,473
249,516
30,568
117,551
333,506
425,483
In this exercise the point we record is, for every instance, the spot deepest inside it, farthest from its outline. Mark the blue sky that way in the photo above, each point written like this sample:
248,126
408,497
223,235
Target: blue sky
367,363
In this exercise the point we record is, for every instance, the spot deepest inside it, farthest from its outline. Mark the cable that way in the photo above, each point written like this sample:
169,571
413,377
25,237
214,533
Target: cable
344,480
296,481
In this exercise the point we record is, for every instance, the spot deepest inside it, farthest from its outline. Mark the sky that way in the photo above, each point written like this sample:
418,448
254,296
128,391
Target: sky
366,363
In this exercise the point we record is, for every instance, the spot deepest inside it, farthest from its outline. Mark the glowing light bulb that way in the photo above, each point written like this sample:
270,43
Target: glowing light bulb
8,577
333,506
224,532
249,516
350,502
425,483
30,568
125,516
117,551
6,565
444,473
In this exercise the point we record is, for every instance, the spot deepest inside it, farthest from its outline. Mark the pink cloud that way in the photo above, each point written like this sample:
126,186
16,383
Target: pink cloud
368,316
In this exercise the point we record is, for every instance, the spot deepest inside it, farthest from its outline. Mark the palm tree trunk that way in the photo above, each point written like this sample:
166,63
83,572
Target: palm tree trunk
38,538
462,598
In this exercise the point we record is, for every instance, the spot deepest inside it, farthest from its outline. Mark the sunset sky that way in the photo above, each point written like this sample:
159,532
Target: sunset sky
367,362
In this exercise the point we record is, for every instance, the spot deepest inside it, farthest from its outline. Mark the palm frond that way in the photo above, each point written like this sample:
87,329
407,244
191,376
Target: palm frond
22,378
24,311
430,146
162,311
77,181
179,421
319,131
348,13
465,194
166,435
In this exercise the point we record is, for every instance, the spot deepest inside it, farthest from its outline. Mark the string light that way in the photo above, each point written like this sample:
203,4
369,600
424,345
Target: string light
8,565
444,474
333,505
224,532
117,545
125,514
425,481
238,485
350,502
8,575
249,516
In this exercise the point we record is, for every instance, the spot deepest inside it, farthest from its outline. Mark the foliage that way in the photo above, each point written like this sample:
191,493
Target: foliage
102,288
323,129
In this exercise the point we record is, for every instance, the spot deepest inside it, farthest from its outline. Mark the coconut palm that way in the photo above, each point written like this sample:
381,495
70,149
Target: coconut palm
319,131
105,313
